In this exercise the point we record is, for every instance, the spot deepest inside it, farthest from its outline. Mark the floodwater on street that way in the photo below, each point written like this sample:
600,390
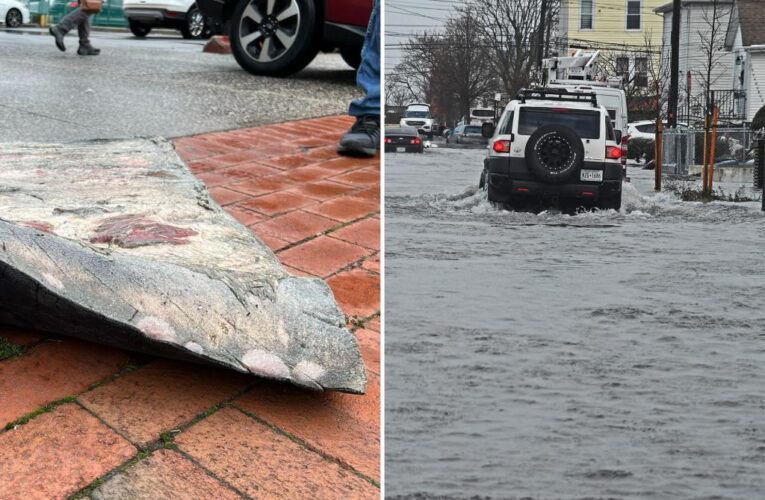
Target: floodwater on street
600,355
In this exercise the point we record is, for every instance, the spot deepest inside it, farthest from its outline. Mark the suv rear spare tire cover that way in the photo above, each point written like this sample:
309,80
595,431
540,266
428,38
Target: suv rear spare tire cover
554,153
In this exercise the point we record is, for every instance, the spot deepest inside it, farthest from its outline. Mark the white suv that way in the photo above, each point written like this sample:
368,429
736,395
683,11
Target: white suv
183,15
554,146
418,116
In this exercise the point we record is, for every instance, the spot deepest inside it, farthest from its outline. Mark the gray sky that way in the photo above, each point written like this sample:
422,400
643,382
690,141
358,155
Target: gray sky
404,17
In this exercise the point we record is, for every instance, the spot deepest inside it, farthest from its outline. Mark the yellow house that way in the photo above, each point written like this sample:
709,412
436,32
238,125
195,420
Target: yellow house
625,31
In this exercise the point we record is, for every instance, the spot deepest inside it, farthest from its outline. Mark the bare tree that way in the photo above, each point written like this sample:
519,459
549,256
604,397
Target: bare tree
397,92
712,47
511,30
450,69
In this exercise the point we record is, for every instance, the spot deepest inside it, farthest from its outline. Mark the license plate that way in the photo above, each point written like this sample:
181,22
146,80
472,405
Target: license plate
400,150
591,175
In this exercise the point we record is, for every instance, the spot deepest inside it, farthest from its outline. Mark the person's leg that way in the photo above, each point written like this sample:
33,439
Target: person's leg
67,23
83,30
368,76
364,136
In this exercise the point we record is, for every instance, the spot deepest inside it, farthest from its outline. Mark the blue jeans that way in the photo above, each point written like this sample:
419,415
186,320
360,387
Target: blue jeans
368,76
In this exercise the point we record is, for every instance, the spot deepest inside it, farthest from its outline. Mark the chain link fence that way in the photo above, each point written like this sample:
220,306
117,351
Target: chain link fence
683,150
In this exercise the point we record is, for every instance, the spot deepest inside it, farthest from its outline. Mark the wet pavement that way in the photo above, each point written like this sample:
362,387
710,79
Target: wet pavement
553,356
160,86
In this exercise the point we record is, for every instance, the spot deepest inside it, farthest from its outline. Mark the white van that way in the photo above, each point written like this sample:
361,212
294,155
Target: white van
612,98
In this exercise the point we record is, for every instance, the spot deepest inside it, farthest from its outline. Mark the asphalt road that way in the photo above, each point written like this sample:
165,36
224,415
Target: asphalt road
159,86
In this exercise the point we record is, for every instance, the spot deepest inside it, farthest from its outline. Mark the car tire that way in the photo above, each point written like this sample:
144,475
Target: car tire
554,153
482,180
195,27
285,54
138,29
352,56
13,19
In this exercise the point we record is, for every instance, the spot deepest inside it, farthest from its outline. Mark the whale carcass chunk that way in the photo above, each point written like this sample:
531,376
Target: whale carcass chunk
118,243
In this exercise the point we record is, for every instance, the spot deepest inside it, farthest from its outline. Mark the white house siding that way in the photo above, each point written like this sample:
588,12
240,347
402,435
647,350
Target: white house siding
755,82
692,24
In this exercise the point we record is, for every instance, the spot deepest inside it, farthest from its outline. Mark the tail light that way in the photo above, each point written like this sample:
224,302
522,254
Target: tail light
501,146
416,141
74,5
388,140
613,152
625,149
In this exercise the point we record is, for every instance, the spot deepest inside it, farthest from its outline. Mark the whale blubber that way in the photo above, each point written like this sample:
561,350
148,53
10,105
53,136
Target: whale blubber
118,243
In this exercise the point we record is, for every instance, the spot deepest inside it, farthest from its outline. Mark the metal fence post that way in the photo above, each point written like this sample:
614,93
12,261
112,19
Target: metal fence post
658,152
759,162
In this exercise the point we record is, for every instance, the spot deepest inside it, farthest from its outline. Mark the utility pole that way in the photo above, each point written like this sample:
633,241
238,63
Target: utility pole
674,66
541,35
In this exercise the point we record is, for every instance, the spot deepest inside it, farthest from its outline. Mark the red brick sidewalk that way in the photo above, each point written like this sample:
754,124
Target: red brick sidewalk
78,419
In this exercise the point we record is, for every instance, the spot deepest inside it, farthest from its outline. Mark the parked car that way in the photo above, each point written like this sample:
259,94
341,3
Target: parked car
182,15
467,134
403,140
111,12
13,13
281,37
646,129
553,146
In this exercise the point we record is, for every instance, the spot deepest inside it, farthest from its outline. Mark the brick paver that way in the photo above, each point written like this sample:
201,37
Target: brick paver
357,291
265,464
51,371
343,426
320,213
323,255
160,397
166,475
57,454
20,336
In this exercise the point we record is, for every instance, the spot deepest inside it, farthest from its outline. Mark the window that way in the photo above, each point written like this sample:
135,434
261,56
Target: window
641,72
507,128
585,15
586,123
610,135
633,14
623,66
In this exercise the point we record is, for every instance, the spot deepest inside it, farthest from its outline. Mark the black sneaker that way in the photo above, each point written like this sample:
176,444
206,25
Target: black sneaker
59,36
363,139
88,50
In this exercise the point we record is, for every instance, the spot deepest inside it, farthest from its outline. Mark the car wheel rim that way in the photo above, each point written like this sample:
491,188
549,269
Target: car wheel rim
554,152
268,28
196,23
14,19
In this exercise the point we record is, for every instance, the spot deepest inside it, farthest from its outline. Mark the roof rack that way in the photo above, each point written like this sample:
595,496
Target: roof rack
552,94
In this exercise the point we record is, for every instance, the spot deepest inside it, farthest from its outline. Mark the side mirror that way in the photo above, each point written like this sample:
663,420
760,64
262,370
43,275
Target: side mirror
487,130
618,134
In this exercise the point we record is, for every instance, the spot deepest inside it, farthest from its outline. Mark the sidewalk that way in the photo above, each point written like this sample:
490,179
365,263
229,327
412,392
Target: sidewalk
78,419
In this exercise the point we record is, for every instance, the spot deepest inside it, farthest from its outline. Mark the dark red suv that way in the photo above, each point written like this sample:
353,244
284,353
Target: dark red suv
280,37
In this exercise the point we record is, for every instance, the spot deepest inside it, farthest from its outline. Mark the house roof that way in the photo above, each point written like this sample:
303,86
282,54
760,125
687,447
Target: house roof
751,17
